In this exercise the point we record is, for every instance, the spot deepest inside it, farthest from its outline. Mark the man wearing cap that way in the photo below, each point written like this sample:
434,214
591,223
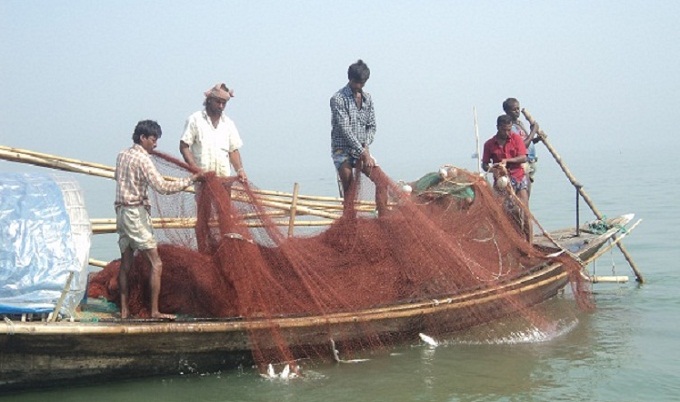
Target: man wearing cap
210,140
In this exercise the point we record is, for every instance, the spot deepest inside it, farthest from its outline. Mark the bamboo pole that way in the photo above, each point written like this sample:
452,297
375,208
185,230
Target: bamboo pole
293,207
80,166
165,223
317,202
54,164
108,228
259,215
581,191
56,158
64,292
97,263
608,279
478,154
300,209
309,197
312,204
156,222
307,207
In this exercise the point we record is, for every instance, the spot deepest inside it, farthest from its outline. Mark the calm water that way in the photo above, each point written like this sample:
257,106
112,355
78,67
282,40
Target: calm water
627,350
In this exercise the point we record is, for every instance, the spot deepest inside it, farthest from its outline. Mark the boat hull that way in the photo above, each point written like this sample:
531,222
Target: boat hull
40,354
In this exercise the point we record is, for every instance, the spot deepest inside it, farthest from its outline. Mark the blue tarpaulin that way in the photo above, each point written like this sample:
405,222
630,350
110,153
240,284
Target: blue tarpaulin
37,247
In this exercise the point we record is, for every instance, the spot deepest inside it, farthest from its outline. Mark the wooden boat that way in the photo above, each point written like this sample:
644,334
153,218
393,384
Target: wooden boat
38,353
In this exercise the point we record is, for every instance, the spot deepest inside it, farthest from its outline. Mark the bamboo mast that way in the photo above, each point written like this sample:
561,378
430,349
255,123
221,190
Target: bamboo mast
581,191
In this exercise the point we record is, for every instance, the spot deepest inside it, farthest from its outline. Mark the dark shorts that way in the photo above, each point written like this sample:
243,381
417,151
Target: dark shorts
340,156
518,185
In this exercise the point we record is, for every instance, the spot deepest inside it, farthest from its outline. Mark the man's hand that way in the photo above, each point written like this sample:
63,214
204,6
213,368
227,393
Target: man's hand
200,176
242,177
366,159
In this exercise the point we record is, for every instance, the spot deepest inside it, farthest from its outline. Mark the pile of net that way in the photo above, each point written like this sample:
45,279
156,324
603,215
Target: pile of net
447,237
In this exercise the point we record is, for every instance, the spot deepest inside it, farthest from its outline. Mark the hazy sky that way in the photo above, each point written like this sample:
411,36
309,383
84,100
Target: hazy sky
76,76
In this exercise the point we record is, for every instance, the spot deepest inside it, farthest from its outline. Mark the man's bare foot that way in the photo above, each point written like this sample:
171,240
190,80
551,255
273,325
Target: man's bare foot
163,316
124,313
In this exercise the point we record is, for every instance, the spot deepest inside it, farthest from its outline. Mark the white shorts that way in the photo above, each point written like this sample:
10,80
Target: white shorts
134,228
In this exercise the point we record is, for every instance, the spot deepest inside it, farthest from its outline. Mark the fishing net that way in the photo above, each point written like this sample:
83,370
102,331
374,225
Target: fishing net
447,256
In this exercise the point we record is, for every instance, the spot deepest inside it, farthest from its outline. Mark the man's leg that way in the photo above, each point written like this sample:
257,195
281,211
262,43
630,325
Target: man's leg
379,178
523,196
155,282
126,259
202,228
345,174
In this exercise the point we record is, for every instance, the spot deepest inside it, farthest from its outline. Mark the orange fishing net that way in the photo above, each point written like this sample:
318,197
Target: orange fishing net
445,239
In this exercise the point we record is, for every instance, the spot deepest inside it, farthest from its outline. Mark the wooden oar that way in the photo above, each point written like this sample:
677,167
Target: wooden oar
581,191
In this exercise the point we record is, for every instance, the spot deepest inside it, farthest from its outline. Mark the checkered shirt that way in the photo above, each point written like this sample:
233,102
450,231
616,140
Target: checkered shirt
135,172
352,128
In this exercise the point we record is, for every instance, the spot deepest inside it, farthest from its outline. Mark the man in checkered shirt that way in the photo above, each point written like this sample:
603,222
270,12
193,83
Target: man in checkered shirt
353,130
135,172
